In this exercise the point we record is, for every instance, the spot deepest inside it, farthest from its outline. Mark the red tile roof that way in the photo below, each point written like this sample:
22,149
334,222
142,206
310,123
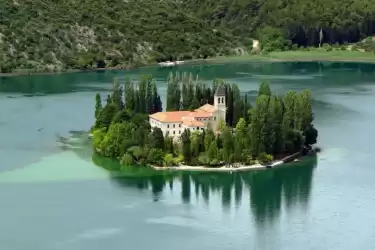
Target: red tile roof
177,116
207,108
193,123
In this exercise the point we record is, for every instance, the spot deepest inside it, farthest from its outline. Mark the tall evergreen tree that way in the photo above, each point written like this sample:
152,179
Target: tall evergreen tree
288,120
117,95
213,152
259,125
129,95
156,101
149,95
228,145
173,92
230,106
186,145
142,94
157,138
237,104
264,89
98,105
208,138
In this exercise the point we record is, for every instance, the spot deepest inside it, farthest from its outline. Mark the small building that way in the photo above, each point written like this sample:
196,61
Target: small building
174,123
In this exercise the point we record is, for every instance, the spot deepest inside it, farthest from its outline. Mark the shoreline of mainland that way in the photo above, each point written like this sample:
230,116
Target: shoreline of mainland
272,57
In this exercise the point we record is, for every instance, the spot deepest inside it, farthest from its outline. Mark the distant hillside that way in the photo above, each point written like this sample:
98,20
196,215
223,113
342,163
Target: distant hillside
54,35
280,23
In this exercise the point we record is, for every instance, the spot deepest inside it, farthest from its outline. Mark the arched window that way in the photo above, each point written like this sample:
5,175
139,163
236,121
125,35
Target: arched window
218,100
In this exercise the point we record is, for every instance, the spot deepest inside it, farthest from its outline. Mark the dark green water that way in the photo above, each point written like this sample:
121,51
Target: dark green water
53,196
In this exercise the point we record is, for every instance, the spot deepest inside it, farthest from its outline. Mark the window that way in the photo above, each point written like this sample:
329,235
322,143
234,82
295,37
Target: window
197,128
218,100
168,126
174,132
179,131
201,128
174,125
215,118
180,125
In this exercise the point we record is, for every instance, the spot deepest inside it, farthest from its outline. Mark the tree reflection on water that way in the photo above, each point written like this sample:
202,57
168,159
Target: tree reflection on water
267,190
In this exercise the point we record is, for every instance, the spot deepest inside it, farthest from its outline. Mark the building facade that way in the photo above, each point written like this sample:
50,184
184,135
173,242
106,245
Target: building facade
175,122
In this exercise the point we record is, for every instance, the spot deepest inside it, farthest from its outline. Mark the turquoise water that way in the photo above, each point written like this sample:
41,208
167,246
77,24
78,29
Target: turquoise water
54,195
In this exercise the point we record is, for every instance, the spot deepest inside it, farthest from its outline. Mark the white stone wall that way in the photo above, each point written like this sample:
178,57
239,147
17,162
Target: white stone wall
172,128
205,120
176,129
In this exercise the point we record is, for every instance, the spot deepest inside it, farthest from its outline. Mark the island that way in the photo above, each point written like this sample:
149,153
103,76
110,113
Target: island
204,126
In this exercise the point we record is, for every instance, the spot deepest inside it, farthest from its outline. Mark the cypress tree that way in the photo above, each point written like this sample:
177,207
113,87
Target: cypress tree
259,126
149,95
142,102
208,138
288,120
229,102
186,145
98,105
228,145
264,89
129,95
237,105
117,95
157,138
185,101
156,101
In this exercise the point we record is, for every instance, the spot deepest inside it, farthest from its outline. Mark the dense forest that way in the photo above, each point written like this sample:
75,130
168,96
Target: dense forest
44,35
56,35
280,23
272,128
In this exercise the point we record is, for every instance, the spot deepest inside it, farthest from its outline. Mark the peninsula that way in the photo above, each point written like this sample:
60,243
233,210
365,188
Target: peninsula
203,127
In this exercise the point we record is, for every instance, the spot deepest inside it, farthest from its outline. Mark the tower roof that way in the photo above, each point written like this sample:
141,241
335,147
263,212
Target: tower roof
220,90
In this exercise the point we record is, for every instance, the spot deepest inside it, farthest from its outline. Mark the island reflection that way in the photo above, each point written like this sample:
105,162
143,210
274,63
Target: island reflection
266,192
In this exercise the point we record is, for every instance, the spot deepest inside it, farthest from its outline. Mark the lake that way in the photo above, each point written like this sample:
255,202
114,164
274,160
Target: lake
55,195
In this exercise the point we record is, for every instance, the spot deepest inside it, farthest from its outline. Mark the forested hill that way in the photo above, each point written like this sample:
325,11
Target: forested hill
278,23
47,35
58,34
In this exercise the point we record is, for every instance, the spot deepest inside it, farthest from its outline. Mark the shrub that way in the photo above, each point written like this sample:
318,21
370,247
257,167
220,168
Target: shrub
264,158
127,160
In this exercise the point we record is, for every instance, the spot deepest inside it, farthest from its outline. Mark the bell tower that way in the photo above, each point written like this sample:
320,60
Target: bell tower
220,102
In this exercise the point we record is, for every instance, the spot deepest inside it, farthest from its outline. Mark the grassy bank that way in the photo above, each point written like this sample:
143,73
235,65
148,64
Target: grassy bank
280,56
300,55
